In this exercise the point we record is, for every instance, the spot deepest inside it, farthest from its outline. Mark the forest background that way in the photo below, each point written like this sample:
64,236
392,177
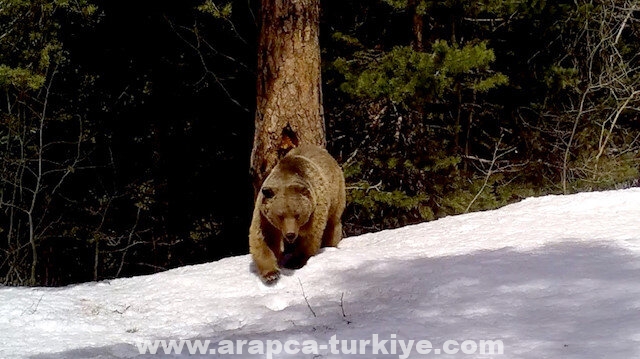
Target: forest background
126,129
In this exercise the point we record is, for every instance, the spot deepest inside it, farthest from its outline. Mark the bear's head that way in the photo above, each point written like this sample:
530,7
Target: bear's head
287,206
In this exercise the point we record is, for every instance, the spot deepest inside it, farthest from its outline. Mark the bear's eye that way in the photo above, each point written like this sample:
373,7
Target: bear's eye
268,192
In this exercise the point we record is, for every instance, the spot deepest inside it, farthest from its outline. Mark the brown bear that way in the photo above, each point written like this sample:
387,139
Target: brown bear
297,211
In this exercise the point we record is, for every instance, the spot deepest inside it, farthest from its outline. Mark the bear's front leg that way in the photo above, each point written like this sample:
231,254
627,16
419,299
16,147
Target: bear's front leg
264,259
266,264
333,233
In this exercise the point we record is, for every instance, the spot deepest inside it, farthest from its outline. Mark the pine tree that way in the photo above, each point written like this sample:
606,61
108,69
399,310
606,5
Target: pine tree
289,95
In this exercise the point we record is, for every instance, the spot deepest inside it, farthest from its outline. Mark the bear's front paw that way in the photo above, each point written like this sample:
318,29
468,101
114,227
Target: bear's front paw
271,277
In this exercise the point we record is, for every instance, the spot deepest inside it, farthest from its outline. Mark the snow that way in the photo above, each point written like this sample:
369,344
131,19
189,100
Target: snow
555,276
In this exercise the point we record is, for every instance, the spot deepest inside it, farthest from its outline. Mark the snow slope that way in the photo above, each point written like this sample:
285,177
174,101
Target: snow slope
552,277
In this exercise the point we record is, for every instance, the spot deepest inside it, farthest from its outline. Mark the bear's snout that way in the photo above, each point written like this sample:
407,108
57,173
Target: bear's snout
290,236
290,230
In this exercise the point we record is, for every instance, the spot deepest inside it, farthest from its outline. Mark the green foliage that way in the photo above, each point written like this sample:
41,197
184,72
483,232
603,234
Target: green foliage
205,228
494,72
404,74
397,4
373,200
607,173
30,42
367,201
346,39
20,78
417,172
471,8
444,162
590,173
560,78
498,192
491,82
217,11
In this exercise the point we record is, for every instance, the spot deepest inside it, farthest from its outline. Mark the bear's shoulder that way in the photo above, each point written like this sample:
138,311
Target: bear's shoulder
307,150
302,161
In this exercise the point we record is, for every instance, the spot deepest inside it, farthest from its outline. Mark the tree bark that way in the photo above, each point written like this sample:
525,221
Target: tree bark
289,95
417,28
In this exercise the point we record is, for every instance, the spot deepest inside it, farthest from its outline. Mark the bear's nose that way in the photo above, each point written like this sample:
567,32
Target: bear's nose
290,236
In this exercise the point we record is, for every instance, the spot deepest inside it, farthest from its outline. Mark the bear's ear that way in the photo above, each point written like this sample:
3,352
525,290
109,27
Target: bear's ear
268,192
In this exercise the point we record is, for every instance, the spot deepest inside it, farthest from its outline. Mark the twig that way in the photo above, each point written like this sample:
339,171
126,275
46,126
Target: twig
305,299
368,188
205,67
613,124
342,308
123,310
34,307
129,244
565,162
624,24
489,173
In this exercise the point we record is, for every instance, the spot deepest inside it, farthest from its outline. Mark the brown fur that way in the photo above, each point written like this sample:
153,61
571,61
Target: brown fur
297,211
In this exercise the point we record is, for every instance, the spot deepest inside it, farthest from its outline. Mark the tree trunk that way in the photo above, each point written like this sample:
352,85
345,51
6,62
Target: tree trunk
417,27
289,95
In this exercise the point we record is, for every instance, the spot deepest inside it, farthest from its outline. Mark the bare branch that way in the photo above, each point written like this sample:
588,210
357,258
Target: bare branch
305,298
